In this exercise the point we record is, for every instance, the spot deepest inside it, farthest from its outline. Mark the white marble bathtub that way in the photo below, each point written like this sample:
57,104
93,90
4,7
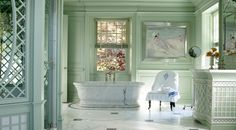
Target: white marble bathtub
108,94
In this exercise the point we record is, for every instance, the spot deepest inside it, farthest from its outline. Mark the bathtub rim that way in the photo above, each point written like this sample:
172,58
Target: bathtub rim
101,83
121,84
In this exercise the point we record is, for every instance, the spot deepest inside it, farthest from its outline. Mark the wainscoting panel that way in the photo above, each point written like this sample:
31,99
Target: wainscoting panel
14,122
75,74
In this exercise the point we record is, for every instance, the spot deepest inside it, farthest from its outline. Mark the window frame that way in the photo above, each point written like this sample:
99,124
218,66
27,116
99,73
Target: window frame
125,45
215,31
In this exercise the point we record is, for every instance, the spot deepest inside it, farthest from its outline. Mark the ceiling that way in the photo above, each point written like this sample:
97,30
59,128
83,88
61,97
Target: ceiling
194,2
188,5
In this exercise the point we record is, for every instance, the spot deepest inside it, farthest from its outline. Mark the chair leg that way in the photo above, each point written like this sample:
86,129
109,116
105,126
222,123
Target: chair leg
149,104
160,106
172,104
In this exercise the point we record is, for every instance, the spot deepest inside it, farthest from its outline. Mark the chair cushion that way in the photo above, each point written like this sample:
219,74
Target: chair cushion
163,96
165,87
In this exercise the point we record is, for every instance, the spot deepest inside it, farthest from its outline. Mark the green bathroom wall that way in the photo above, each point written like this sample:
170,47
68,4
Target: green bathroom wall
76,52
185,62
81,40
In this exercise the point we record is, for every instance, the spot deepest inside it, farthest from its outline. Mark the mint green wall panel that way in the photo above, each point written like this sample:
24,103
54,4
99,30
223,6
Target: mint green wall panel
81,63
164,63
185,87
76,52
90,40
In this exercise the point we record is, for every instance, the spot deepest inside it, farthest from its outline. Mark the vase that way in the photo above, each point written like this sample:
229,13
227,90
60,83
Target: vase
212,62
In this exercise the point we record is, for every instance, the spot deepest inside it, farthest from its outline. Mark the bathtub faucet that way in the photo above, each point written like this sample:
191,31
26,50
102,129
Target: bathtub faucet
110,76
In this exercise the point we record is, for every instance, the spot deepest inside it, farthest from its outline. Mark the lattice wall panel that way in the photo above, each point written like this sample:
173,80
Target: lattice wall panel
12,58
202,98
224,102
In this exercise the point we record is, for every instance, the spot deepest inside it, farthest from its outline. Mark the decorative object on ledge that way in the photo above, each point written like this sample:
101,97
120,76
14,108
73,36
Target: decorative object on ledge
213,54
164,40
194,51
230,52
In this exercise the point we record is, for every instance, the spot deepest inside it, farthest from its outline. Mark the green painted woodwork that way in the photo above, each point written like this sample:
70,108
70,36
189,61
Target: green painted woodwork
33,105
129,5
81,41
203,32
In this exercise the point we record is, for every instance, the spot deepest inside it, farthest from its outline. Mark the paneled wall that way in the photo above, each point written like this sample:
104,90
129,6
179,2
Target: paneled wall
185,62
77,56
82,37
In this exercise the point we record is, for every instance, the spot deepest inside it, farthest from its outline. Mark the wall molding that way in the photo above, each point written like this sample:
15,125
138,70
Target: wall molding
130,5
203,5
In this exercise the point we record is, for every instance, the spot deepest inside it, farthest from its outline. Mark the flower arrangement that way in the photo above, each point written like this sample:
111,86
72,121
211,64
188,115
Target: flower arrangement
213,53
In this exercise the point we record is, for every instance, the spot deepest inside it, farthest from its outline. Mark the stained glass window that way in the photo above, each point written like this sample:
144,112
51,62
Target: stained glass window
111,46
111,32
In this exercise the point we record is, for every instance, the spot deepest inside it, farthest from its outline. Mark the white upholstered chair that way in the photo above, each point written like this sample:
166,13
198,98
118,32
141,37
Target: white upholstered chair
165,88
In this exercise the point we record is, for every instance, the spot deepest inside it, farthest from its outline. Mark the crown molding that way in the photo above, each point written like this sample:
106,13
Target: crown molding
205,5
129,5
201,5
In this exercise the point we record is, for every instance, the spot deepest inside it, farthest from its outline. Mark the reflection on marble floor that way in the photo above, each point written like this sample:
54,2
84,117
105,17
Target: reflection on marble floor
76,118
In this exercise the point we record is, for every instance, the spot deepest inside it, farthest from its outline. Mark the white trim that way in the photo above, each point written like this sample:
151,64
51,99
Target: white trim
37,39
204,5
207,37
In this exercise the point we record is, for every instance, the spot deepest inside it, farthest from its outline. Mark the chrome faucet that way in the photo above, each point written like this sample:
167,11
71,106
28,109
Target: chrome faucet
110,76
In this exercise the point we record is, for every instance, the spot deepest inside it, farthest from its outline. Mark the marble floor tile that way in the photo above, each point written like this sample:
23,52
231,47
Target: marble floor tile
77,118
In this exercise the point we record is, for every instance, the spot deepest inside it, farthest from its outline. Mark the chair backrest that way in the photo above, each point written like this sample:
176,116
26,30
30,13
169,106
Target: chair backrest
166,80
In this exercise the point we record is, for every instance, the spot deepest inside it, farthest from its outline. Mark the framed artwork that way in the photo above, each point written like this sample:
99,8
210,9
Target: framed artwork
229,32
230,37
165,40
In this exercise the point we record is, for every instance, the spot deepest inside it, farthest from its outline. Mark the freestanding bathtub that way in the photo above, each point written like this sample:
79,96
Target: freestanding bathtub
108,94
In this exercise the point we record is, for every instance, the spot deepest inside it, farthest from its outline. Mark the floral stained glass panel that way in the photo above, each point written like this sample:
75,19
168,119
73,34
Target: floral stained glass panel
111,32
111,59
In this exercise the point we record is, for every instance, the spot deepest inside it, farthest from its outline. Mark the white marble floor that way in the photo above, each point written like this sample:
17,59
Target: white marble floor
76,118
